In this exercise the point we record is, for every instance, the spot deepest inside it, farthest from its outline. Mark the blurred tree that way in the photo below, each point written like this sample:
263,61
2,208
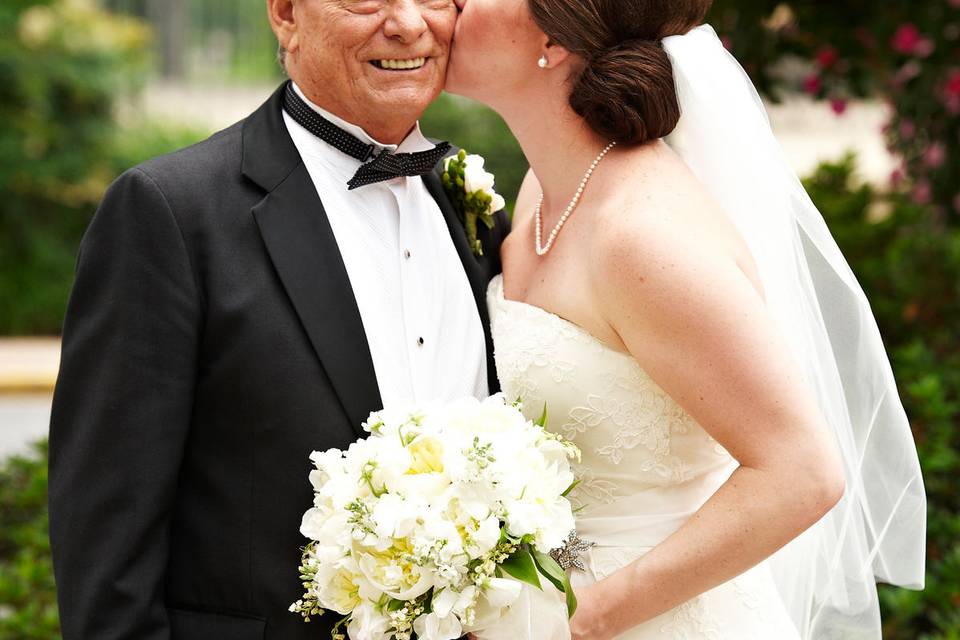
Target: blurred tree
906,52
28,596
170,21
63,65
481,131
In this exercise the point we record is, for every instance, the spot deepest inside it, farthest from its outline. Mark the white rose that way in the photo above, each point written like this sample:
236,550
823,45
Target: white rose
474,176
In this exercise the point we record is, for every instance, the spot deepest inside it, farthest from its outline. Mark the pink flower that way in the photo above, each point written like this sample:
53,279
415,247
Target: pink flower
953,80
839,106
896,177
827,57
812,84
952,103
907,129
922,192
906,39
906,73
924,48
935,155
910,42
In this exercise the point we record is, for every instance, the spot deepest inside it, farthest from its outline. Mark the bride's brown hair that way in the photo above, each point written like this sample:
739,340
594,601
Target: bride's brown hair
625,90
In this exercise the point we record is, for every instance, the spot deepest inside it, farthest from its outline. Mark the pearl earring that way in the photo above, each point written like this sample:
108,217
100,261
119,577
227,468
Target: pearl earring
543,62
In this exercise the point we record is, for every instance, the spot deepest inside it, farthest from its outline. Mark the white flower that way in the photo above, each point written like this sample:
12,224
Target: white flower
367,623
497,203
475,178
393,571
339,586
412,507
430,626
450,601
502,592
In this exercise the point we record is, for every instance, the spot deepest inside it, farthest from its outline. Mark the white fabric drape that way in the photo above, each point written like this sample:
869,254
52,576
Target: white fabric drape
826,577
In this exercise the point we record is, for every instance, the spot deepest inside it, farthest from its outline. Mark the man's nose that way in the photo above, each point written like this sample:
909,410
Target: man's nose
405,21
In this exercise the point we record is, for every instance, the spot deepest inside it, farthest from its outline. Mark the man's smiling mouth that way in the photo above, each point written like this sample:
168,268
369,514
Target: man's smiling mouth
399,65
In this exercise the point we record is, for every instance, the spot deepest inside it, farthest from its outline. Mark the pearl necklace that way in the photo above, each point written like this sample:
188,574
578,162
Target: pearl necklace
542,250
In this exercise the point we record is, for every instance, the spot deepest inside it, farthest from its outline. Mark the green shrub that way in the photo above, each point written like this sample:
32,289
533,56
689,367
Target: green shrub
28,601
908,262
481,131
906,52
62,66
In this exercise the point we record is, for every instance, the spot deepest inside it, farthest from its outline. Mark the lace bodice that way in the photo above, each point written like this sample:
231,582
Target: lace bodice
632,434
647,466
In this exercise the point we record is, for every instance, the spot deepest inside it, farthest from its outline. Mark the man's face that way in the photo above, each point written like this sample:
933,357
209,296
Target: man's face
369,59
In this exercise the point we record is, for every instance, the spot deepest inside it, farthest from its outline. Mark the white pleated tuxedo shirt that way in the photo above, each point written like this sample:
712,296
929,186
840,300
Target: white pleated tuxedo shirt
416,304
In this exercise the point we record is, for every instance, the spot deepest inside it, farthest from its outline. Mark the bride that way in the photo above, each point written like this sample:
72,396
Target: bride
673,297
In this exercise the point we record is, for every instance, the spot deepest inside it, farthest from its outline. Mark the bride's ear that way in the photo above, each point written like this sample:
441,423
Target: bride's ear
553,54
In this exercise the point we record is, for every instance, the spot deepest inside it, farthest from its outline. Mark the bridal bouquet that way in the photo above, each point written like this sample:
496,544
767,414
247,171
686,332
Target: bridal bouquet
439,523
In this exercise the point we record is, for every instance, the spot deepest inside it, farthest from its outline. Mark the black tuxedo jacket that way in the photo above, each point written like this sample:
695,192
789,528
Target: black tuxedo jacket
211,342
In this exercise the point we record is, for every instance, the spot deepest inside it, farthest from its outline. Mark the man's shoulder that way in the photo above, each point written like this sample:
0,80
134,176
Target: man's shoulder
211,161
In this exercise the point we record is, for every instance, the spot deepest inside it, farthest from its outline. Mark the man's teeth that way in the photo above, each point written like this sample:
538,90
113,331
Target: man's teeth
416,63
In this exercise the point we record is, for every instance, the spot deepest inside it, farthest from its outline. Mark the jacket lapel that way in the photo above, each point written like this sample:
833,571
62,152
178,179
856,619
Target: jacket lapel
477,274
305,254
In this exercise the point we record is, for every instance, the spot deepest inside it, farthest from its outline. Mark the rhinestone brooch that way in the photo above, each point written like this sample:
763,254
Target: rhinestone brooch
569,554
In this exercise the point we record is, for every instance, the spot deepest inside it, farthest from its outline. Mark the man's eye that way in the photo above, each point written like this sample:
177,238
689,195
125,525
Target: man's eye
364,6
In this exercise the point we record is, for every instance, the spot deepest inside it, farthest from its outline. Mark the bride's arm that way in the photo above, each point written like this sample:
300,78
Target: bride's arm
696,324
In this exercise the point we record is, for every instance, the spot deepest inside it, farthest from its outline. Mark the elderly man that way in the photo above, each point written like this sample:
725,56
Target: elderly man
246,301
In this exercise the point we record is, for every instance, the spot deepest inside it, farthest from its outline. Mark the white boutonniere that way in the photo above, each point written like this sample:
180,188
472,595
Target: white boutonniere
470,188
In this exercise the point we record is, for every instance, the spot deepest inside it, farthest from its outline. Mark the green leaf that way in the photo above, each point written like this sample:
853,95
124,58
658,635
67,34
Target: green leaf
571,596
552,571
549,568
542,422
571,487
522,567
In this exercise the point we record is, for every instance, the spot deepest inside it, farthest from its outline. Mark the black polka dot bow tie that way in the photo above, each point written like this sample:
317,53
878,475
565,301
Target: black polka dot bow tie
377,167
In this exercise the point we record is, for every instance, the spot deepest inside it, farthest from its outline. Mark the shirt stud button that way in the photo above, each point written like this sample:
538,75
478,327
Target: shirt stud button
407,254
420,342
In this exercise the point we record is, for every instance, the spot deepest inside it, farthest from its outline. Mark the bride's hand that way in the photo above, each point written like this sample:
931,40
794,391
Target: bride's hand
591,621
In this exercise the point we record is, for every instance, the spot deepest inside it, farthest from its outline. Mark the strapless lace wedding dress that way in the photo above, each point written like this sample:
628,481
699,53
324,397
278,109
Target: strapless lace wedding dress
647,466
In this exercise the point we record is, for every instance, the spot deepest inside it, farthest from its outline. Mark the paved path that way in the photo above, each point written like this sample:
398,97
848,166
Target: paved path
28,370
24,418
808,131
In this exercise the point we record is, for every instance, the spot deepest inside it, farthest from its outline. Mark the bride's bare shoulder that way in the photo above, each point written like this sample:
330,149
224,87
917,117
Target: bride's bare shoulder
661,217
653,188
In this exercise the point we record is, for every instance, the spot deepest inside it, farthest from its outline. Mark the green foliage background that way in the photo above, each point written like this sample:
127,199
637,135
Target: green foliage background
64,62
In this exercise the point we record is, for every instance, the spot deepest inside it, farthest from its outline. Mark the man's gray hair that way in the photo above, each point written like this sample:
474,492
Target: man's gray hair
282,57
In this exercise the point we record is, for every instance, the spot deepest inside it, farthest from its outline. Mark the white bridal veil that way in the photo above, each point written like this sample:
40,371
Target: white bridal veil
826,577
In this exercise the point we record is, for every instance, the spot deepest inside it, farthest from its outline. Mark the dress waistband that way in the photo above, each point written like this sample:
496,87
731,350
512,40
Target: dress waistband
646,518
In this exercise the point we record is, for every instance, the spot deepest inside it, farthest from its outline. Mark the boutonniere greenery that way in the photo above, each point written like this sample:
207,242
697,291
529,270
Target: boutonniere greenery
470,188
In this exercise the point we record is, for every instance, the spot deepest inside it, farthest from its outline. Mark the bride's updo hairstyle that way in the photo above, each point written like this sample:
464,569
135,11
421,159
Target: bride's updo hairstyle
625,90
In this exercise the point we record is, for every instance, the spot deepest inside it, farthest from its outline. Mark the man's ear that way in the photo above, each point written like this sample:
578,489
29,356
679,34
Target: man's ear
283,23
